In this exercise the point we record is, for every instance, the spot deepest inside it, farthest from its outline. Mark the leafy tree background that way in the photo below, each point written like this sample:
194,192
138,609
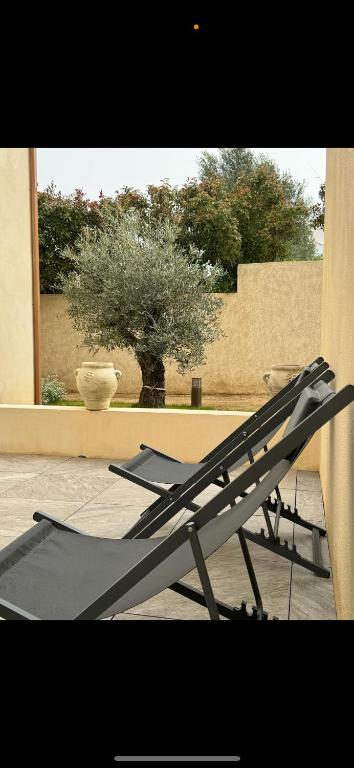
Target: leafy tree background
318,210
241,209
61,219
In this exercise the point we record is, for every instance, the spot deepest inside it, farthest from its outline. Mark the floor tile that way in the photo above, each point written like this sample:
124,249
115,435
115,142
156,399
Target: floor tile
16,515
12,479
113,521
310,506
5,540
312,596
308,481
62,486
136,617
289,481
85,467
125,493
16,462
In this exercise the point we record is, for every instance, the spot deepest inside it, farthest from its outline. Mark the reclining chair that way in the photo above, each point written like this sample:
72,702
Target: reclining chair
151,467
53,571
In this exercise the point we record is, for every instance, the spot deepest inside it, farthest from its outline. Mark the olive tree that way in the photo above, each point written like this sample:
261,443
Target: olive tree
135,288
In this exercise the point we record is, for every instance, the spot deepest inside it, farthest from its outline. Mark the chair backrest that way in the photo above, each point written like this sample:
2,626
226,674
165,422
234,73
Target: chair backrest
236,455
271,406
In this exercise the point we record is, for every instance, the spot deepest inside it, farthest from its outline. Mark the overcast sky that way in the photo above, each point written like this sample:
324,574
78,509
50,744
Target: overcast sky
110,169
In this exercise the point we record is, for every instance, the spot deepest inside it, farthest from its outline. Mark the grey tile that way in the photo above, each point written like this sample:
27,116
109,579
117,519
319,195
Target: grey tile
169,605
17,462
104,520
85,467
113,521
310,506
12,479
289,481
312,597
62,486
309,481
5,540
16,515
125,494
136,617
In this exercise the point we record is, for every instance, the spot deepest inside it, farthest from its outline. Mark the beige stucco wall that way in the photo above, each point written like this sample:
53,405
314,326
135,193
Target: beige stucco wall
273,318
118,432
337,439
16,316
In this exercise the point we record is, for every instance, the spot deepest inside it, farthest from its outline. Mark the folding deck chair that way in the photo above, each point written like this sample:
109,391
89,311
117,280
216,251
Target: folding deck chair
54,571
151,465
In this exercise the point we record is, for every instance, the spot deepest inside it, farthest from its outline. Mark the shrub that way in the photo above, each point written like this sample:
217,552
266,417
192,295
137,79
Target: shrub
53,390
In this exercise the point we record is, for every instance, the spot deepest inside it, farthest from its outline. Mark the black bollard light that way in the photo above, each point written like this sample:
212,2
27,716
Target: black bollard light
196,394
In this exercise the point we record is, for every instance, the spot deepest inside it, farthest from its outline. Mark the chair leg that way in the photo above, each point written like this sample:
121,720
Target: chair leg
251,573
202,572
248,561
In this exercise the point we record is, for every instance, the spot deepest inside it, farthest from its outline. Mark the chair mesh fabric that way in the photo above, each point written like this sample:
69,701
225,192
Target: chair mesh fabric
55,574
159,469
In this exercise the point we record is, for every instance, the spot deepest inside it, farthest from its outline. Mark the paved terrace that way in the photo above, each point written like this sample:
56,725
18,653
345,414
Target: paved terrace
91,498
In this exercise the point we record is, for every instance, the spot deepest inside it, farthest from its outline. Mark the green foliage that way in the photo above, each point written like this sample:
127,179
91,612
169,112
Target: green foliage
241,210
302,247
134,287
61,219
270,211
318,210
53,390
207,222
230,165
272,215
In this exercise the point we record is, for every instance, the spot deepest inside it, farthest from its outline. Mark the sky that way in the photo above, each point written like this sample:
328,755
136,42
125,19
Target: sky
111,169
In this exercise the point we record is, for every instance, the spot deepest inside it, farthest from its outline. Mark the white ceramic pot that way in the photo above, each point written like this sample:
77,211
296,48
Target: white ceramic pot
279,376
97,383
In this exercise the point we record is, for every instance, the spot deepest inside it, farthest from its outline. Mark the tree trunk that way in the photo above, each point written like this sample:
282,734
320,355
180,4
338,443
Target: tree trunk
153,390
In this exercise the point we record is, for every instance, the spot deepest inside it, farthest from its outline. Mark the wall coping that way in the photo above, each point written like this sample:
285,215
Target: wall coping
157,411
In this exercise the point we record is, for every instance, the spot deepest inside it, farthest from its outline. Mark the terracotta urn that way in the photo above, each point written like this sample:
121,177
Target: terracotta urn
279,376
97,383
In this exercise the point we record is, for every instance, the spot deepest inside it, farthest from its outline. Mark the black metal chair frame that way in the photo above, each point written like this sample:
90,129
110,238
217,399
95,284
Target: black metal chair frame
252,427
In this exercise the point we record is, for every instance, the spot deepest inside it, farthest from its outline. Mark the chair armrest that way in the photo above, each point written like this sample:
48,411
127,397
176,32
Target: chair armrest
159,453
139,480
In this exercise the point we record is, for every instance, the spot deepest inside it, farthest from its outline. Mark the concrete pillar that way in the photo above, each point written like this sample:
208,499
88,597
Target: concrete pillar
337,438
17,238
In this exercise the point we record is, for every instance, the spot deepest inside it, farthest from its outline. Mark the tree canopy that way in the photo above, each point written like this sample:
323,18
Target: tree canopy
318,210
241,209
61,219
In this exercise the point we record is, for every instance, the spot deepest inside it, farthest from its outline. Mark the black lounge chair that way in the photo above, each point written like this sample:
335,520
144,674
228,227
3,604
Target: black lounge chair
53,571
151,467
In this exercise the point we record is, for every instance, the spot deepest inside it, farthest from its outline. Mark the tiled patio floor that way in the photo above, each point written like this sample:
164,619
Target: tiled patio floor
84,492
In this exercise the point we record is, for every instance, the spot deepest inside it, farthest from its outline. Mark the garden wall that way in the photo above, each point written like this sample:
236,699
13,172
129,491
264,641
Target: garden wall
116,434
16,294
337,438
273,318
